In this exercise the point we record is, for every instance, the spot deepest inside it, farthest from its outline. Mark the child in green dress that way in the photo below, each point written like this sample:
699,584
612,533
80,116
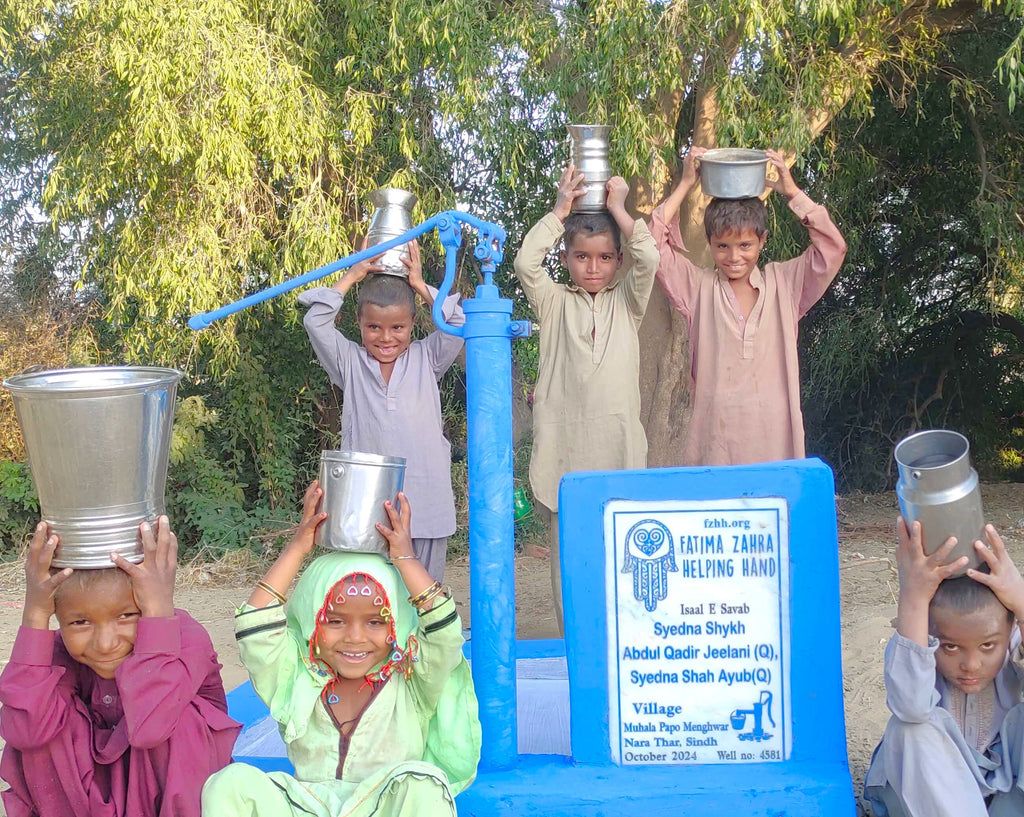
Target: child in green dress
371,692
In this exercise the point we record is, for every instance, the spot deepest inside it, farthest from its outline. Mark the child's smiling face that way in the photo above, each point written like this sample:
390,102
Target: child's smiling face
352,637
736,252
386,331
972,646
98,622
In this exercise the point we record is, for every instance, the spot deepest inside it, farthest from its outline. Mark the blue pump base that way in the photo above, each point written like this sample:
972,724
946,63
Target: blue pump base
553,786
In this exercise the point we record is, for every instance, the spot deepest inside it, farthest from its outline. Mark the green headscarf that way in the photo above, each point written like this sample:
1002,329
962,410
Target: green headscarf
453,733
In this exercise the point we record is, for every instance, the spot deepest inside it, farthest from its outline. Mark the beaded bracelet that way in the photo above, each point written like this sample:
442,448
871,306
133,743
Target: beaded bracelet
262,585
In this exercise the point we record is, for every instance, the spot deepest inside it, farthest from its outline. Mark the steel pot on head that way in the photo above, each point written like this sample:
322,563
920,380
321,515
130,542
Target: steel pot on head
392,217
939,488
733,173
355,487
590,155
98,441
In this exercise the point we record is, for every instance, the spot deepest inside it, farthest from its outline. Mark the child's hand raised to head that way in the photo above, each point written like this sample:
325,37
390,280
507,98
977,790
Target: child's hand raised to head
304,537
276,581
689,179
153,578
415,266
920,574
1004,579
617,189
570,188
399,535
357,272
400,551
783,183
39,584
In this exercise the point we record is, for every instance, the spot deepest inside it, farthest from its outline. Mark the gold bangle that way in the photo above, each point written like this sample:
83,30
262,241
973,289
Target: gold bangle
419,598
262,585
444,594
437,591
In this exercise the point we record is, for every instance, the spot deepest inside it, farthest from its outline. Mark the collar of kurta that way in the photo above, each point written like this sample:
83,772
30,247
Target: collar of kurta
756,277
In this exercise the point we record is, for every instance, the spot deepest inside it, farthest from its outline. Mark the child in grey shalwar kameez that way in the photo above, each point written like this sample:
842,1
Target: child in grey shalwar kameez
954,681
392,404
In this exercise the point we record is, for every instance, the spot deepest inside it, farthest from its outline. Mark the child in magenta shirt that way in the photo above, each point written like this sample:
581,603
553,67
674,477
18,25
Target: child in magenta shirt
121,712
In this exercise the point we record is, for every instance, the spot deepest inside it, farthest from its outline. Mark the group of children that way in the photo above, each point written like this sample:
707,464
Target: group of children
122,711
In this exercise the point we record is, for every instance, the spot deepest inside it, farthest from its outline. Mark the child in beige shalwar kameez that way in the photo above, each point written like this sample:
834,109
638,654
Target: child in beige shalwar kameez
586,407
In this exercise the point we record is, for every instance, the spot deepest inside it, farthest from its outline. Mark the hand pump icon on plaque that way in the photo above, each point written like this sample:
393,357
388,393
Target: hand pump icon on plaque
758,710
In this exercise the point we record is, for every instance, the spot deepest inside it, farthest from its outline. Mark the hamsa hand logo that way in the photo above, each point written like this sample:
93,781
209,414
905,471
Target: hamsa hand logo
650,558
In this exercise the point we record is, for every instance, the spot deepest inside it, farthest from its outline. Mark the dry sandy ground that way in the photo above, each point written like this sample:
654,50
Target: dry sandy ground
868,586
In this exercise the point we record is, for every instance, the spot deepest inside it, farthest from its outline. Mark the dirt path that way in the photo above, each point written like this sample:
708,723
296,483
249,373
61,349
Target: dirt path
868,585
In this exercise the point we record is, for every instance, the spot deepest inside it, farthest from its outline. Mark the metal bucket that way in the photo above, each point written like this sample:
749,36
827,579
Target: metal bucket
939,488
355,487
733,173
98,441
392,217
590,155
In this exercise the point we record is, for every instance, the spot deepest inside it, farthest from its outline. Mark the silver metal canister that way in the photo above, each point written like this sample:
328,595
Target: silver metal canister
355,487
590,155
98,441
938,487
392,217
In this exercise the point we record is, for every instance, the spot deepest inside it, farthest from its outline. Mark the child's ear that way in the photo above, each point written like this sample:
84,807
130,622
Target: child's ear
618,261
563,257
760,244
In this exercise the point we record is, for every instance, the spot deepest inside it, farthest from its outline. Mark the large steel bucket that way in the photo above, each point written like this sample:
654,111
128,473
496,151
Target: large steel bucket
939,488
98,441
355,487
590,155
392,217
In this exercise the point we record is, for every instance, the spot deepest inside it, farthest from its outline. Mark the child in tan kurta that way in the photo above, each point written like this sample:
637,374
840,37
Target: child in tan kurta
586,407
743,320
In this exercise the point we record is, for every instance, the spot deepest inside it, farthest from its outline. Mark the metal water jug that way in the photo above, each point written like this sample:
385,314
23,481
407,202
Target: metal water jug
590,155
938,487
98,441
355,487
392,217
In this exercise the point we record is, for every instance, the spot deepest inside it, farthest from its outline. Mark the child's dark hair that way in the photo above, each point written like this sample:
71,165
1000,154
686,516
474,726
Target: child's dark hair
963,595
588,224
384,291
734,215
88,581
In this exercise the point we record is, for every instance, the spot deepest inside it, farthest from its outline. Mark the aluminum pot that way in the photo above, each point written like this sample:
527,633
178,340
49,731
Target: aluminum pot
733,173
939,488
392,217
590,155
98,441
355,487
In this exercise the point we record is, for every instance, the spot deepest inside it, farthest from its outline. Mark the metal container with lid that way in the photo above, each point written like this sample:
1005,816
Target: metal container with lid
939,488
355,487
98,443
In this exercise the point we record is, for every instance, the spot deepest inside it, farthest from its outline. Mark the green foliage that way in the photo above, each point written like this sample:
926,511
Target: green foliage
162,158
924,326
19,506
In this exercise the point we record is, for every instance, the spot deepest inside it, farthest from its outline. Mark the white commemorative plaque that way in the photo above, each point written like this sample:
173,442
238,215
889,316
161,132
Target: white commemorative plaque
698,635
